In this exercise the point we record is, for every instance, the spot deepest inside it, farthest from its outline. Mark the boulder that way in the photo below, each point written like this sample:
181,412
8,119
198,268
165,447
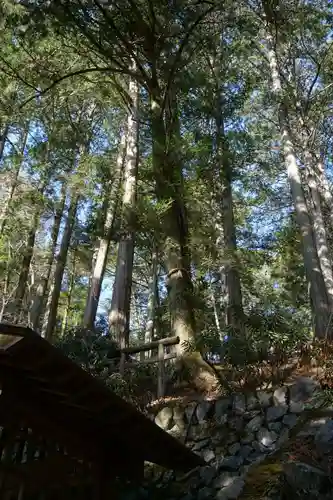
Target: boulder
264,398
239,404
164,418
234,448
280,396
324,437
254,424
266,438
232,490
203,411
303,389
275,413
290,420
303,477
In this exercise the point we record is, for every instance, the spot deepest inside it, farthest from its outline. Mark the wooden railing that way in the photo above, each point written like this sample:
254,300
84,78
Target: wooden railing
161,358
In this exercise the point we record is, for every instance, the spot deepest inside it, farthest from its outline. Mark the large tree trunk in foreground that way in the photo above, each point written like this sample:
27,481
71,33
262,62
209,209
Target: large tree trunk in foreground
104,242
319,232
320,302
174,227
119,316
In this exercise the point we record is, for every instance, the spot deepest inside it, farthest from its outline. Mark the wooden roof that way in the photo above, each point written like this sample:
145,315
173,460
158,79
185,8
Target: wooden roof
50,393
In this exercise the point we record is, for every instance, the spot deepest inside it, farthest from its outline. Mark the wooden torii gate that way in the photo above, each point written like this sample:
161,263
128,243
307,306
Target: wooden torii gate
61,428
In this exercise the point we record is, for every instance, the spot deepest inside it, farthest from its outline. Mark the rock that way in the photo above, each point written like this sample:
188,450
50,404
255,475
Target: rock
207,455
179,418
275,426
324,437
247,438
190,414
236,424
232,463
208,474
222,420
250,414
204,493
266,437
223,480
189,496
300,476
200,432
280,396
303,389
203,410
245,451
290,420
232,490
231,438
284,436
264,398
239,404
251,402
200,445
221,407
275,413
175,431
164,418
234,448
255,424
296,406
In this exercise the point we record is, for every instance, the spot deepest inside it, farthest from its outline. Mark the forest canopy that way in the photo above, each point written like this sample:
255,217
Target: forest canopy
166,169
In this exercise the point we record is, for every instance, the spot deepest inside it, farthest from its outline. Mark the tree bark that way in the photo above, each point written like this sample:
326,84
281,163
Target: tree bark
119,316
320,302
3,138
235,304
176,260
14,183
319,232
104,242
48,330
38,301
152,302
70,289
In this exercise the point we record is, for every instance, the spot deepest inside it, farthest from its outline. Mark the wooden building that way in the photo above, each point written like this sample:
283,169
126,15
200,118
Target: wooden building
64,434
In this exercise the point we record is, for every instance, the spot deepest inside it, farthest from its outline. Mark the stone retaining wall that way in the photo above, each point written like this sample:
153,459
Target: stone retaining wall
232,433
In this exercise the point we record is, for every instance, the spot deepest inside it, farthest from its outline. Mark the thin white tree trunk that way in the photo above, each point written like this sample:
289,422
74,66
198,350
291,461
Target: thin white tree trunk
319,231
104,243
59,270
320,300
151,306
40,296
120,306
8,201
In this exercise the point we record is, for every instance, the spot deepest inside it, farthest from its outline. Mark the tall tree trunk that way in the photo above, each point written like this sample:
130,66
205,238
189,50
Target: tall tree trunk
69,295
38,301
119,316
59,269
104,242
235,306
319,299
14,183
174,226
3,138
319,230
151,306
